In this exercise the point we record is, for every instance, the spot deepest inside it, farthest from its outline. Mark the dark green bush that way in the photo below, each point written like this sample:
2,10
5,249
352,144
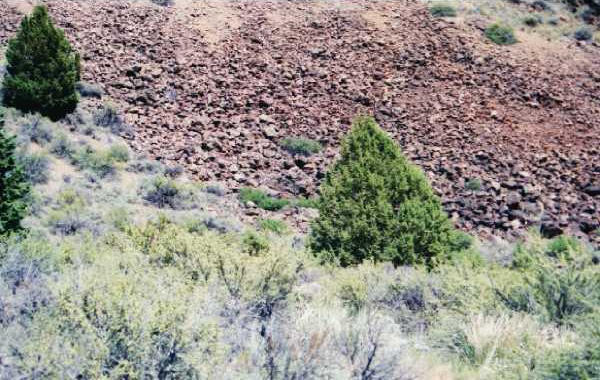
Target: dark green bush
13,185
262,200
43,68
375,204
442,10
501,34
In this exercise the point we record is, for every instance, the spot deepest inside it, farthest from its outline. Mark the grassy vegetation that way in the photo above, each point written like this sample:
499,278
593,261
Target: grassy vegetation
262,200
273,225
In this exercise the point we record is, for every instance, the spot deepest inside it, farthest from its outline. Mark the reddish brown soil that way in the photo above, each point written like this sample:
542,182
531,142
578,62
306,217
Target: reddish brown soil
216,86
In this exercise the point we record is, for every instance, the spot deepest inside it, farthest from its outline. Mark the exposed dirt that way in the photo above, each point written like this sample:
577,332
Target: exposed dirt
216,85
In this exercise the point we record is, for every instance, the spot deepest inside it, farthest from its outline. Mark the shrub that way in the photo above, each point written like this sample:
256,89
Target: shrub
70,216
145,167
262,200
42,68
501,34
474,184
108,117
163,3
173,171
35,166
254,244
88,90
374,204
14,188
442,10
532,21
163,192
583,34
215,189
36,129
62,146
119,153
99,163
301,146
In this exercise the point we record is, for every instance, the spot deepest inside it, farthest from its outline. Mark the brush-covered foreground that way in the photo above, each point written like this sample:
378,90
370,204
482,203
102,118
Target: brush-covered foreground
127,273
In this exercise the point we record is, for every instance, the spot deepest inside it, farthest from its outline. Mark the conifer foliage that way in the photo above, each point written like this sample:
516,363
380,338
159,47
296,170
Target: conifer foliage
376,205
42,68
13,185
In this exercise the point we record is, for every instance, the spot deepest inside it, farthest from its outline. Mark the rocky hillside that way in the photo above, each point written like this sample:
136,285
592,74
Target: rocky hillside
508,136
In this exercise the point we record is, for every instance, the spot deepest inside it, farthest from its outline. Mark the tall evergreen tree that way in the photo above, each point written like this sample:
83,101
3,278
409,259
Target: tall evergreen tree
376,205
13,185
42,68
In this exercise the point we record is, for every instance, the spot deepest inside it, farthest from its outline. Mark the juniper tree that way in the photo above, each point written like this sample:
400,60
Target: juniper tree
42,68
375,204
13,185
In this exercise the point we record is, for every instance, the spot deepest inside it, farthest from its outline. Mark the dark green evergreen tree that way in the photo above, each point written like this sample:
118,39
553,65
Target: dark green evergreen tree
42,68
13,185
375,204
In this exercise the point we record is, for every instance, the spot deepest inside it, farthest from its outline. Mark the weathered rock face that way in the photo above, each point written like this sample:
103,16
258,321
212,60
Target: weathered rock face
526,130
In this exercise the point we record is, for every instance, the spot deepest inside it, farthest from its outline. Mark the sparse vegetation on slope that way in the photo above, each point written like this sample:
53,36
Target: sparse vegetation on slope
129,269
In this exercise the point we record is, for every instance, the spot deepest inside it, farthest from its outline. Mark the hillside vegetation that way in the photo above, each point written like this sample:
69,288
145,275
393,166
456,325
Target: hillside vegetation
115,265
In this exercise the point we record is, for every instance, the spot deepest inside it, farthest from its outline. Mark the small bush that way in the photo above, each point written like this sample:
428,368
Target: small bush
119,153
88,90
277,226
215,189
501,34
163,192
100,163
62,146
145,167
540,5
442,10
532,21
69,216
474,184
35,166
262,200
163,3
108,117
36,128
173,171
254,244
301,146
583,34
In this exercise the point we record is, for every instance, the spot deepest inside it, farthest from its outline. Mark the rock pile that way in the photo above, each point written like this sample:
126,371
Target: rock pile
509,141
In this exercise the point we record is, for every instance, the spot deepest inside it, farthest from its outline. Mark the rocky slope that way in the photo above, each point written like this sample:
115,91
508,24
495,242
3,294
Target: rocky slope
215,86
